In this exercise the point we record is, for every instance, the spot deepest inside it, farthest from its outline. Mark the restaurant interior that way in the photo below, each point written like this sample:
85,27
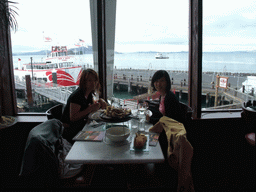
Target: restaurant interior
223,158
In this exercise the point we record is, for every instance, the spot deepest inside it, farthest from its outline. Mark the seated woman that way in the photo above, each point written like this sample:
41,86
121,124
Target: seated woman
80,104
168,103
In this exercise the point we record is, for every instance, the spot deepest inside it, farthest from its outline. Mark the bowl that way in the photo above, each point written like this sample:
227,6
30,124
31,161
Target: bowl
117,133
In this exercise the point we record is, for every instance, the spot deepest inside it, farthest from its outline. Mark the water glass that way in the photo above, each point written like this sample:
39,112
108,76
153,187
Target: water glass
142,120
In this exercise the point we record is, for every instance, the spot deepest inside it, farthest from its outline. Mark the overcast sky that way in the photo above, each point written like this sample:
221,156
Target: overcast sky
141,25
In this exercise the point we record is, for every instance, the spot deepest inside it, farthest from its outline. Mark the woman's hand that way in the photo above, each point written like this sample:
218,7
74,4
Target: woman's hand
95,107
103,103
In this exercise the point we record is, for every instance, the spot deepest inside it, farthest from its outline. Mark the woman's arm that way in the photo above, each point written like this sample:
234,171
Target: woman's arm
76,114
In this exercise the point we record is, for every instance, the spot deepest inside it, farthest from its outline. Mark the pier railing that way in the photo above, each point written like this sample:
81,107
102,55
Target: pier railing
61,94
239,96
54,92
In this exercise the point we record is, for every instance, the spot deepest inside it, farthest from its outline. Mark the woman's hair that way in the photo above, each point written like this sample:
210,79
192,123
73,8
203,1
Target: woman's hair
158,75
84,77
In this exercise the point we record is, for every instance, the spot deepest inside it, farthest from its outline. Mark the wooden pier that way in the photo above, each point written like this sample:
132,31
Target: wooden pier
139,82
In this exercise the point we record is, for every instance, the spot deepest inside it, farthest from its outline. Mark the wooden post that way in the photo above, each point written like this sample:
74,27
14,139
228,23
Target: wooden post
207,98
31,58
216,90
129,85
180,95
29,90
150,89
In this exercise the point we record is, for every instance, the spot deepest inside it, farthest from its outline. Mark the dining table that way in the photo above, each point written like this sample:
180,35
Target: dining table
107,152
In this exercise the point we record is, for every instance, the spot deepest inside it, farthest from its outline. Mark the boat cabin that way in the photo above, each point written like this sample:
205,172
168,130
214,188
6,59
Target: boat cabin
58,51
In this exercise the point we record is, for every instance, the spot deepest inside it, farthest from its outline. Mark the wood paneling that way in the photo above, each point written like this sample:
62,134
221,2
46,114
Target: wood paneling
195,57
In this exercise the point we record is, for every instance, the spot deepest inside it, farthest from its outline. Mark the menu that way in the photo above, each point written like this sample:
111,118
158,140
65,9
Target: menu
153,139
89,136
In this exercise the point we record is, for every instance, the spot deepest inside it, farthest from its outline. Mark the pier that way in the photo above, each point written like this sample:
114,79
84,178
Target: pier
139,82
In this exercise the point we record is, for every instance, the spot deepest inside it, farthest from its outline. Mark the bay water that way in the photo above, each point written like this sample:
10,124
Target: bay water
233,62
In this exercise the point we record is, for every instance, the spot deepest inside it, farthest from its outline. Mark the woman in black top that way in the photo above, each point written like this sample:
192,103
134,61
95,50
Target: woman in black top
168,103
80,104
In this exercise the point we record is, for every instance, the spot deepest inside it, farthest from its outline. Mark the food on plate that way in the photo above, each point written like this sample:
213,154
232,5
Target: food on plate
140,140
115,112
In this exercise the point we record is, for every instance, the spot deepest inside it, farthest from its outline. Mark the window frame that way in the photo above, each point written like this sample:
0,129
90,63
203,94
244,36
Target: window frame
8,96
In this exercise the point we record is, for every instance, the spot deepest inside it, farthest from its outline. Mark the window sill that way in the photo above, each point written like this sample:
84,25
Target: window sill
221,115
41,117
31,117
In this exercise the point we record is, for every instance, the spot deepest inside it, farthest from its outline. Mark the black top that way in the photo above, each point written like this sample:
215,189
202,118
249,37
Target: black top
76,97
172,109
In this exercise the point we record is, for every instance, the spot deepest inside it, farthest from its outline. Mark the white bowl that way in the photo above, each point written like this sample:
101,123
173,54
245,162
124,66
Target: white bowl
118,133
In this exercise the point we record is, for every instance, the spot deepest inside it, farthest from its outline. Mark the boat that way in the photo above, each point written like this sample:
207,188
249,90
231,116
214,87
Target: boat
57,68
160,56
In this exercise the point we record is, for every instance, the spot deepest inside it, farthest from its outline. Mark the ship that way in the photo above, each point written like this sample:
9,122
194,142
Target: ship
160,56
58,68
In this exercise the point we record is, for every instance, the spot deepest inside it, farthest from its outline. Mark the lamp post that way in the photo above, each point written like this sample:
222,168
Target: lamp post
31,58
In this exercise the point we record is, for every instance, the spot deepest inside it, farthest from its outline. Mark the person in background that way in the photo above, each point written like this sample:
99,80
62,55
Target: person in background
80,104
168,103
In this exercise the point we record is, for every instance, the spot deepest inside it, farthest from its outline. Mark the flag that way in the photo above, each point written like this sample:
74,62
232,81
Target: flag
47,39
77,45
80,40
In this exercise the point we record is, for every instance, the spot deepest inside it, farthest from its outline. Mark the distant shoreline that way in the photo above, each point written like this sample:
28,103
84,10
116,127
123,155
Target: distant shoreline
43,52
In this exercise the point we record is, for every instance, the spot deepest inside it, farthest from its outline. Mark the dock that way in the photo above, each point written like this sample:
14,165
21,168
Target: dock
139,82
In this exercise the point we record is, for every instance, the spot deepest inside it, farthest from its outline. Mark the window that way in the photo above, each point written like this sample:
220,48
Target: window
228,53
147,39
140,29
69,39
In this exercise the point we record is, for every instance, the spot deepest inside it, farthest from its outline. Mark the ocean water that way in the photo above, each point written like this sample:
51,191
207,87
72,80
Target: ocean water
234,62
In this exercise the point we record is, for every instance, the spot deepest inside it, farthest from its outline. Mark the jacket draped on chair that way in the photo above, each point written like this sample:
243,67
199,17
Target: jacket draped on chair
180,151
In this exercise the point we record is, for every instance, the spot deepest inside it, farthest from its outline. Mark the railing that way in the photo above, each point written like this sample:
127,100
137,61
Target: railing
242,96
59,94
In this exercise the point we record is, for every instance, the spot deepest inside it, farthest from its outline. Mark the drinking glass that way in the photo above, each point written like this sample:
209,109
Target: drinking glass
142,116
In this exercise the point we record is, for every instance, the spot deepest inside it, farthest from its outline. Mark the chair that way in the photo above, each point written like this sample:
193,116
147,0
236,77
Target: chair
185,109
82,179
55,112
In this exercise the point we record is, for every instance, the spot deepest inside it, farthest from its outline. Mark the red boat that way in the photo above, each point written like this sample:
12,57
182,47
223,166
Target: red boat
58,68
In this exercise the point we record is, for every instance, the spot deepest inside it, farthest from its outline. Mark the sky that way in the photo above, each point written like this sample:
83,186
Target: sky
141,25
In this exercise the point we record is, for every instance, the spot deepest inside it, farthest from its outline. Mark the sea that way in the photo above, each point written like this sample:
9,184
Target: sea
232,62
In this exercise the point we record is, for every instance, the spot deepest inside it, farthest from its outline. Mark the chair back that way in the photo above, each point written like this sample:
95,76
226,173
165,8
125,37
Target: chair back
186,111
55,112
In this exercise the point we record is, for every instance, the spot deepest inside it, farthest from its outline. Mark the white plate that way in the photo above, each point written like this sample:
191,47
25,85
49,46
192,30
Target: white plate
96,115
145,148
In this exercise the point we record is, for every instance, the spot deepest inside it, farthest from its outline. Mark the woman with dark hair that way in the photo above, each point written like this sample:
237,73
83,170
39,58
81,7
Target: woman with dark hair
168,103
80,104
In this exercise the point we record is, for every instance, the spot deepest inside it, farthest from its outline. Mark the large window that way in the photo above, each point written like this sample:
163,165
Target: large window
150,35
229,45
135,33
53,39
